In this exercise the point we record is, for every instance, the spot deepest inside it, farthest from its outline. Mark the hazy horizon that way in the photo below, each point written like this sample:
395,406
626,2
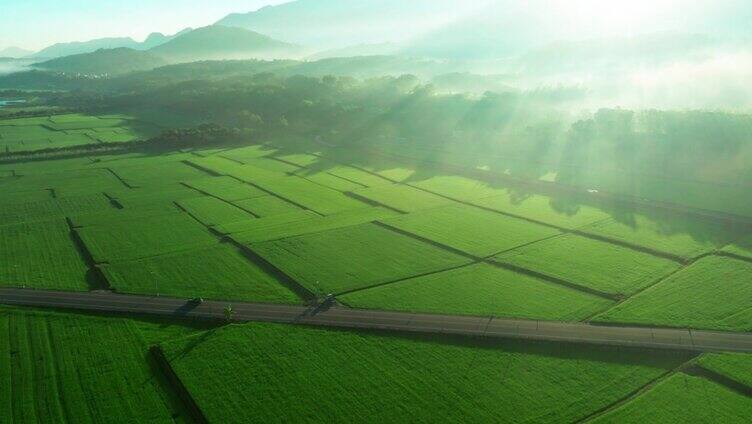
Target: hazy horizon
36,24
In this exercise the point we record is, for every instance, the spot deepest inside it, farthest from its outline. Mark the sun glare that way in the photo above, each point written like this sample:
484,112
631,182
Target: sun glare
601,17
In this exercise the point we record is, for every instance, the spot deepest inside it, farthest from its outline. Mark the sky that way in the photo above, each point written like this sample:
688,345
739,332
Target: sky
35,24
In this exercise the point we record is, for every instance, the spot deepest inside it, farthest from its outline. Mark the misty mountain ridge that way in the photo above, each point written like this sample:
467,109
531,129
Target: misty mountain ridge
334,24
218,42
81,47
14,52
116,61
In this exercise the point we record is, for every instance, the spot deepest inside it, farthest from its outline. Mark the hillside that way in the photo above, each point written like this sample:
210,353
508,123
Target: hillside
218,42
105,61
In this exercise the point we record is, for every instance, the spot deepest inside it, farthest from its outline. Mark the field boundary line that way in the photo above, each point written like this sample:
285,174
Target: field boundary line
400,280
372,203
732,256
516,269
177,384
699,371
635,394
257,260
184,184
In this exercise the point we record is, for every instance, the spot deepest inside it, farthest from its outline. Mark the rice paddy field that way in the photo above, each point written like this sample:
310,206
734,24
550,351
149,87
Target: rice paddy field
715,292
72,368
220,272
257,224
481,290
25,135
591,263
352,258
736,366
683,398
303,374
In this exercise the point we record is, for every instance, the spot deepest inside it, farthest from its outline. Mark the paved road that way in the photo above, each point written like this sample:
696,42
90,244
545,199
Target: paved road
396,321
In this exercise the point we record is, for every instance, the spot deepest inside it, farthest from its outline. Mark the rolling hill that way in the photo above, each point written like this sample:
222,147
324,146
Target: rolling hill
219,42
105,61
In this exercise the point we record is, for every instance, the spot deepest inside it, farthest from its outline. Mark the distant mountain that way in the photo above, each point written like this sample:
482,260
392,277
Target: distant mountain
332,24
380,49
81,47
157,39
14,52
105,61
218,42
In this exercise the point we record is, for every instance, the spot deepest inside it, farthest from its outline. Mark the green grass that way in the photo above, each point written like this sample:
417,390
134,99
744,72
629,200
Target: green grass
225,188
68,368
471,230
689,241
116,216
267,206
402,198
684,398
715,292
154,175
269,223
276,373
355,175
544,209
248,152
331,181
736,366
480,290
309,195
41,255
145,237
741,248
460,188
316,224
212,211
220,272
353,257
153,198
601,266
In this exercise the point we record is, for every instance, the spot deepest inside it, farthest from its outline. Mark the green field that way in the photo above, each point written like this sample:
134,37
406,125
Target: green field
590,263
471,230
736,366
353,257
277,222
543,209
211,211
41,255
276,373
156,175
742,248
285,228
65,131
58,368
309,195
145,237
214,273
402,198
225,188
684,398
715,293
481,290
690,241
264,206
